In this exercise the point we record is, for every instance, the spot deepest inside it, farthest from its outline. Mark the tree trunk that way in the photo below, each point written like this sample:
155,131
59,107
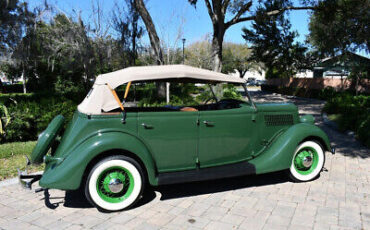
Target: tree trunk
24,79
217,40
133,59
154,41
152,32
241,73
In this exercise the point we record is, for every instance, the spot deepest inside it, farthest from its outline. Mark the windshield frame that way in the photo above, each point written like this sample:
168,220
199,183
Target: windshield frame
248,95
244,85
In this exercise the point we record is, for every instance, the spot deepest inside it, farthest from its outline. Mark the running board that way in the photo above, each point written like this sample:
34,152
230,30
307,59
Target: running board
210,173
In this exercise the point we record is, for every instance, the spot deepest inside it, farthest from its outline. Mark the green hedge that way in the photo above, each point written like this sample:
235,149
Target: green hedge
354,114
31,113
15,88
322,94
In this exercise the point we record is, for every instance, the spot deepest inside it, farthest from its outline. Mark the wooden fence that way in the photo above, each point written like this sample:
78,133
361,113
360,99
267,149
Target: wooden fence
320,83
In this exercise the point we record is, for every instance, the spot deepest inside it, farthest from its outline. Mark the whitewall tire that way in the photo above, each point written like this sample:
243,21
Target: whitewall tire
114,183
308,161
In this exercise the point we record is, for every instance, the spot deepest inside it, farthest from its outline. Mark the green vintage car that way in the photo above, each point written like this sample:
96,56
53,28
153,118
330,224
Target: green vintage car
112,150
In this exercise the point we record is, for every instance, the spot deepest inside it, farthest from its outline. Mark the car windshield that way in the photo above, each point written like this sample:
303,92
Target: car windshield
180,94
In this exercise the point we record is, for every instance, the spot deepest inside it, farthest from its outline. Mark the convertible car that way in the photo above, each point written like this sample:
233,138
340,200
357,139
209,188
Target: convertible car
112,150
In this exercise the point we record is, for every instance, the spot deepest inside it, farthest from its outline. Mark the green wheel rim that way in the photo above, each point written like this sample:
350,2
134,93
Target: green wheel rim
298,160
118,173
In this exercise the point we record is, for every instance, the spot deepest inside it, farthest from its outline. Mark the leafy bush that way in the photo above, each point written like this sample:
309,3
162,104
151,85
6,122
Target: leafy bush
231,92
354,114
328,92
4,118
66,87
30,116
363,132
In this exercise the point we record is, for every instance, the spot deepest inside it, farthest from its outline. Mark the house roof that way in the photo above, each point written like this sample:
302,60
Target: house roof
347,59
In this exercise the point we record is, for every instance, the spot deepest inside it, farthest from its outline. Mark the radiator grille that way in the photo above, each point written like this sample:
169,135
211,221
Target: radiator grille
281,119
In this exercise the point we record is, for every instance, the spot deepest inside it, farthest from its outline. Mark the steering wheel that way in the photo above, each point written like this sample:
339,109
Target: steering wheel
228,103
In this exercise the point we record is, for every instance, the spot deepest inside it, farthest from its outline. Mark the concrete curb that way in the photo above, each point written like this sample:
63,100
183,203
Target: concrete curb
14,180
8,182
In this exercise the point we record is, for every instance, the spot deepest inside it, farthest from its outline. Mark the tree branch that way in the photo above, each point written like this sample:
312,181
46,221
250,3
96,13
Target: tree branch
279,11
270,13
210,11
224,6
241,11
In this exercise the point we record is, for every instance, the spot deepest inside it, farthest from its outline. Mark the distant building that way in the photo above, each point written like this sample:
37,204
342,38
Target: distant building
335,67
6,80
304,74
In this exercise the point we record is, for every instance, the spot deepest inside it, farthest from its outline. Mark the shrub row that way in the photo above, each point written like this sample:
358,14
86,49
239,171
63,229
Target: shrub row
31,113
322,94
15,88
353,111
354,114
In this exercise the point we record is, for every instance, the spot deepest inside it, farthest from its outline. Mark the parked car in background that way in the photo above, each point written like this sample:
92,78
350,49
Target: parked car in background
251,81
112,151
260,82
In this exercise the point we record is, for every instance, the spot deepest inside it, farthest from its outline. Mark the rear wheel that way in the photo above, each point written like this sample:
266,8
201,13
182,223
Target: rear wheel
308,161
114,183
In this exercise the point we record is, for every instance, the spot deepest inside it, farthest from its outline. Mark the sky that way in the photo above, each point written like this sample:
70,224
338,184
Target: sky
171,15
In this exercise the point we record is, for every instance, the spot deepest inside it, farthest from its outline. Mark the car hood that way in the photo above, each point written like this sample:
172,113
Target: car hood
276,107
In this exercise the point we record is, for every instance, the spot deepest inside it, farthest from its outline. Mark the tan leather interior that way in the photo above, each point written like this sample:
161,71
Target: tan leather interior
188,109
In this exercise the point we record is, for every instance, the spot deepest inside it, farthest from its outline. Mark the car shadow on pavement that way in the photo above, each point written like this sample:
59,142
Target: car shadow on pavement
77,199
221,185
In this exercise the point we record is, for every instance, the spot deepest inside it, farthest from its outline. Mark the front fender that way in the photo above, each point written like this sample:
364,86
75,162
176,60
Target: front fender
68,174
280,153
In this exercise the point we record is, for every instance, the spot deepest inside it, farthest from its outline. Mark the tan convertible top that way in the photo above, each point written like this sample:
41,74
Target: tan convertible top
100,98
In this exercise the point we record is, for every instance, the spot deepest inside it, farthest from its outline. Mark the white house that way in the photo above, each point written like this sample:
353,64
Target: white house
252,74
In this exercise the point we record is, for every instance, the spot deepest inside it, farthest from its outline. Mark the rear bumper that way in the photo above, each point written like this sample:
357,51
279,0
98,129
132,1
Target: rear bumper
25,179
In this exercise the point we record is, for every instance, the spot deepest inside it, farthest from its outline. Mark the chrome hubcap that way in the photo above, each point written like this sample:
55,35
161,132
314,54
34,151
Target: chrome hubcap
307,161
115,185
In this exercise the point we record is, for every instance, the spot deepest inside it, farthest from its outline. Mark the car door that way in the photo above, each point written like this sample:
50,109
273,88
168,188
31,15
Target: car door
226,136
172,138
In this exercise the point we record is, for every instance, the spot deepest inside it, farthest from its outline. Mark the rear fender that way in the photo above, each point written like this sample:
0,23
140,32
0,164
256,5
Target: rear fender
280,153
69,173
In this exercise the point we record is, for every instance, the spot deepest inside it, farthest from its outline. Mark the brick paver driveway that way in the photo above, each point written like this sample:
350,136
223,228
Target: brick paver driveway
339,199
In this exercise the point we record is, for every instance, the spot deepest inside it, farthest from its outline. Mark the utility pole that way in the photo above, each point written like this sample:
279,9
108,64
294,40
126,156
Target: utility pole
183,50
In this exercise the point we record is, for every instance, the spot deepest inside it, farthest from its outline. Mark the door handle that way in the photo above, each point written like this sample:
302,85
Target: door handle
146,126
209,123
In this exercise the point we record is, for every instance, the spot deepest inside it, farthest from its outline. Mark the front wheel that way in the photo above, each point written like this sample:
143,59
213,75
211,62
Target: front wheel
114,183
308,161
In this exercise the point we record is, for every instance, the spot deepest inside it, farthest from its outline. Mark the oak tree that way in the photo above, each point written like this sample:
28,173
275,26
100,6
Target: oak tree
238,11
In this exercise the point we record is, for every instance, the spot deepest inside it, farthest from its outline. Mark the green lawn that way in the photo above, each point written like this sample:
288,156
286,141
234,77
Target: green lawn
12,157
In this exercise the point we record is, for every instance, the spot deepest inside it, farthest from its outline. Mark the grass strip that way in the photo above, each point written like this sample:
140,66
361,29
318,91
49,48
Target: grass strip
12,157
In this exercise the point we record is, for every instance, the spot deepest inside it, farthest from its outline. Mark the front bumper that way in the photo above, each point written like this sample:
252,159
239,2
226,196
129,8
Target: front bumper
25,179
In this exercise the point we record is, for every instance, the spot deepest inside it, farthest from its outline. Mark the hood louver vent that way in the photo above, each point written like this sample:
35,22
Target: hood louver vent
281,119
